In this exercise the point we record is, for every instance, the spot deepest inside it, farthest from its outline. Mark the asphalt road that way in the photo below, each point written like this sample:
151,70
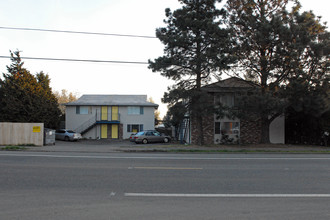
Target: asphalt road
163,186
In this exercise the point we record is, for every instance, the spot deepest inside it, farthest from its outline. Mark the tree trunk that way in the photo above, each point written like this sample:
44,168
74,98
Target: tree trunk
265,123
198,117
197,102
200,130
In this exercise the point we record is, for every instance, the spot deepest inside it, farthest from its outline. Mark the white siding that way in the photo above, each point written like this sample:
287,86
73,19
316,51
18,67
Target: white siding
147,119
73,120
277,131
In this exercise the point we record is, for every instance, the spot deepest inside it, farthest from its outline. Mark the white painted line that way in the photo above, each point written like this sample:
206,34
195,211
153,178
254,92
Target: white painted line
227,195
162,158
164,168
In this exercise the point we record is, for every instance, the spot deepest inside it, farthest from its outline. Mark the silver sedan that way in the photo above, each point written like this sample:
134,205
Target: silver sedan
150,136
67,135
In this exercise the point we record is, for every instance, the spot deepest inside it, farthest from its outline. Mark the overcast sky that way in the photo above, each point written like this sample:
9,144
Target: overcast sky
132,17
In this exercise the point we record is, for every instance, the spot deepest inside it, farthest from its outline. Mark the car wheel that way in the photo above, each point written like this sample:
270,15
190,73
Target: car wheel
144,141
66,138
166,140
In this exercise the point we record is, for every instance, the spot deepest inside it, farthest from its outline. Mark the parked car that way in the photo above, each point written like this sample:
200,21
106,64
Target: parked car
150,136
131,138
67,135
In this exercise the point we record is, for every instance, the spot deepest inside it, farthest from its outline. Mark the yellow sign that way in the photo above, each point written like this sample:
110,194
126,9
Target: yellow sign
36,129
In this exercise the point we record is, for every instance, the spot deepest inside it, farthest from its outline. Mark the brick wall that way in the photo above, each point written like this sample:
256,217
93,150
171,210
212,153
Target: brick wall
208,122
121,132
208,127
250,131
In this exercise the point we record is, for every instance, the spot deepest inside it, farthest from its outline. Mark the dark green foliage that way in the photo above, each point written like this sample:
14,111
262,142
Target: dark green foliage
285,52
308,115
175,115
195,47
27,98
305,128
255,103
193,43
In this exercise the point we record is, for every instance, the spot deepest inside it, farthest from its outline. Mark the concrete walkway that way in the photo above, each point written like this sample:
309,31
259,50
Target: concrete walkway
110,146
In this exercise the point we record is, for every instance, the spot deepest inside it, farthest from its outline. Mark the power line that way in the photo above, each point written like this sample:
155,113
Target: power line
79,60
76,32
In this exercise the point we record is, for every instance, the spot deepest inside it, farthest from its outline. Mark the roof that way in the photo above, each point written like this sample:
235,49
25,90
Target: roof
114,100
232,83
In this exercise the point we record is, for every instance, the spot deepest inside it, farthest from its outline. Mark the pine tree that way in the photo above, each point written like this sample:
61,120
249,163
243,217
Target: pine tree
276,47
26,98
195,47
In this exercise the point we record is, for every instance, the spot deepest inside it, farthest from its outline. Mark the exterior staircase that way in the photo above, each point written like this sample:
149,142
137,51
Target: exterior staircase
96,119
86,126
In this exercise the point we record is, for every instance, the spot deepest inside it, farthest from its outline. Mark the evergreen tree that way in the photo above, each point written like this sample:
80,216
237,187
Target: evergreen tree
195,47
26,98
276,48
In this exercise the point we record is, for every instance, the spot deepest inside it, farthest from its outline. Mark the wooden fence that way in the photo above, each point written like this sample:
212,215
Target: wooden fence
21,133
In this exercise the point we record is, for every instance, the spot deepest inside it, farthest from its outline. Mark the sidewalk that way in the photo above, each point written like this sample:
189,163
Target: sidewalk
111,146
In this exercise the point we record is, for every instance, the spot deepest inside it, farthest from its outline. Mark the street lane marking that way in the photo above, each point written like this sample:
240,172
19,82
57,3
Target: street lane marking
227,195
161,158
165,168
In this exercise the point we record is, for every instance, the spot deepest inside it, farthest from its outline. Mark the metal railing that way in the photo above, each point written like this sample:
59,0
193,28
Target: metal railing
86,125
108,117
91,122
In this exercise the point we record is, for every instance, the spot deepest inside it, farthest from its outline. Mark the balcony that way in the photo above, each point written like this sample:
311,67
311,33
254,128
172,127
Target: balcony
109,118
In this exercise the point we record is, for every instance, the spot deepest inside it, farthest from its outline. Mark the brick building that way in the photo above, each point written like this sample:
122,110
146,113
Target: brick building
226,130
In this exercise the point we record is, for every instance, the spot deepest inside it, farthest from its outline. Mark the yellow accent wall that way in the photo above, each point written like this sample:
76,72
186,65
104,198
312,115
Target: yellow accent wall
104,113
115,113
114,131
104,131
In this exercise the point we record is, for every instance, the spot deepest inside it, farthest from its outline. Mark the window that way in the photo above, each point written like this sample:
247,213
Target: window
226,128
82,110
217,128
217,100
229,127
135,110
225,99
134,128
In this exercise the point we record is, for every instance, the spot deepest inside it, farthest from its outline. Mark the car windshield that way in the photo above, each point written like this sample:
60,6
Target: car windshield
140,133
70,131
